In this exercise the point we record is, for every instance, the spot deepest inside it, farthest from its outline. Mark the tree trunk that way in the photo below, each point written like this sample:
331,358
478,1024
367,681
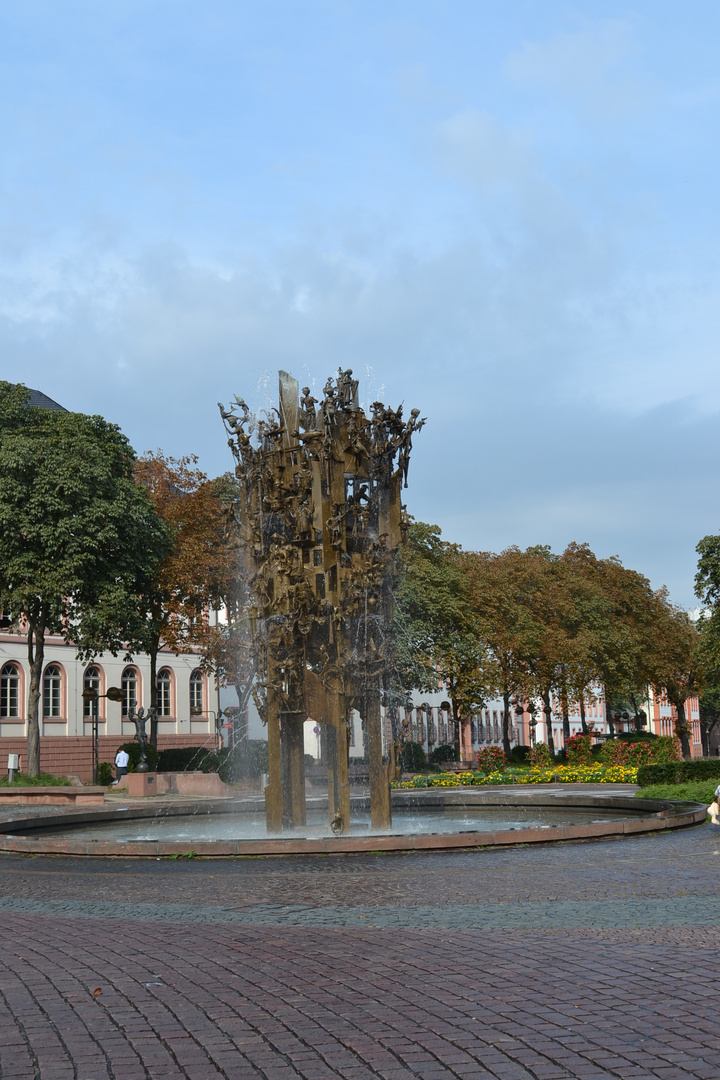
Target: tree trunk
153,695
565,716
547,713
36,659
583,721
608,713
455,713
506,723
681,728
704,738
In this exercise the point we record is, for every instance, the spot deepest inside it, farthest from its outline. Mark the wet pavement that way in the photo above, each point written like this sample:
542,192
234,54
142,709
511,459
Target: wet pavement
589,960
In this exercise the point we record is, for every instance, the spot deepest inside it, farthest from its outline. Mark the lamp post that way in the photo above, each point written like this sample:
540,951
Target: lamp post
519,716
532,724
114,693
197,710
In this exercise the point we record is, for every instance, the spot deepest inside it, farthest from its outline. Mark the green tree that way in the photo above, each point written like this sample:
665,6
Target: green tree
437,633
497,586
79,539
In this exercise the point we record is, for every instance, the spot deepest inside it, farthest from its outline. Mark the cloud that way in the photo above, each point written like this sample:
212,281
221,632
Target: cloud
589,69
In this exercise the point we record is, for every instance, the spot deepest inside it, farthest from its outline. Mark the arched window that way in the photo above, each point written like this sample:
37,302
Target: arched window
10,692
91,681
197,695
164,692
129,685
52,692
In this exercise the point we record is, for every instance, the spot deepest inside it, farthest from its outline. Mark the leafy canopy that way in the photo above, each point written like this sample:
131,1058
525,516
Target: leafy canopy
79,538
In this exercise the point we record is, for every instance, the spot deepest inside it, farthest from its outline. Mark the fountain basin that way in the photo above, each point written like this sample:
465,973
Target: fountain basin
423,820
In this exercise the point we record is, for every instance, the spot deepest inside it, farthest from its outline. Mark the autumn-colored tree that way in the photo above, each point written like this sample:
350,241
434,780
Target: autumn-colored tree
674,661
199,571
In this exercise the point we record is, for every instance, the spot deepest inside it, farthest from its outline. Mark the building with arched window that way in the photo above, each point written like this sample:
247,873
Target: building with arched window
164,693
197,693
52,693
10,692
130,686
92,680
66,719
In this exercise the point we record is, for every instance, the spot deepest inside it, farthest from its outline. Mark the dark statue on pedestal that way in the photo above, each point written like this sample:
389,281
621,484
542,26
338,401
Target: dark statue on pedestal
321,521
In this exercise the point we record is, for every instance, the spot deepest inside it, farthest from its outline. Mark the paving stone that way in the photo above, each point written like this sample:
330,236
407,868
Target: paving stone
464,965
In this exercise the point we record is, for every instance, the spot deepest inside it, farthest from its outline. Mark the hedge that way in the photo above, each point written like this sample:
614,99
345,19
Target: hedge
678,772
185,759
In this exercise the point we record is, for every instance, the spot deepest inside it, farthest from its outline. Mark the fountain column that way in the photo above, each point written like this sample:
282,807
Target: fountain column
293,770
273,792
380,812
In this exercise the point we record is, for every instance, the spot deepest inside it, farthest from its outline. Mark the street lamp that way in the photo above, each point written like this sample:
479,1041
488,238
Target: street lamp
519,715
532,723
114,693
197,710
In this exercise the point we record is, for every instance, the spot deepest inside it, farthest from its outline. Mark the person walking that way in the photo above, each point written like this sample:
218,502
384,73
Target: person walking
121,765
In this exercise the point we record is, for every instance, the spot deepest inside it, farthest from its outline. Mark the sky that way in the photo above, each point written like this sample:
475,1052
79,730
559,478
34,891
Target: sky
502,212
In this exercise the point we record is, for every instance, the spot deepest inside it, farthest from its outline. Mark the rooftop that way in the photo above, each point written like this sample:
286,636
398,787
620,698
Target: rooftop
42,401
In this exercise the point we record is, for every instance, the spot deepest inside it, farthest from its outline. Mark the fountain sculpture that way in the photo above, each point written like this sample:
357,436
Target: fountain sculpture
321,520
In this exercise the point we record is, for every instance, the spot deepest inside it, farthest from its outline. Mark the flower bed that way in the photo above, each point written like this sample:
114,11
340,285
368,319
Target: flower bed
556,774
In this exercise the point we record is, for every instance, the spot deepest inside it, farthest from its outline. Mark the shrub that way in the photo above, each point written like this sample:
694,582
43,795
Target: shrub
540,755
615,752
132,749
105,773
441,753
412,757
579,750
695,790
677,772
491,759
41,780
184,759
667,748
246,760
638,736
519,755
641,751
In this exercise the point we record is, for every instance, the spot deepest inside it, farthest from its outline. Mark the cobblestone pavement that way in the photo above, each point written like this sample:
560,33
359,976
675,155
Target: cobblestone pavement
590,960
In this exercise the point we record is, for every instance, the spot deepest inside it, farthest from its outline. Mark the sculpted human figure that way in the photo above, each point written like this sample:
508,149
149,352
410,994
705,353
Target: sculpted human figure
334,524
346,388
405,443
304,520
356,445
307,409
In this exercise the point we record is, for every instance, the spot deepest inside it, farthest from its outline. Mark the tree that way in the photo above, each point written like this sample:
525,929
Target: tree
437,633
674,661
504,623
709,702
79,539
198,570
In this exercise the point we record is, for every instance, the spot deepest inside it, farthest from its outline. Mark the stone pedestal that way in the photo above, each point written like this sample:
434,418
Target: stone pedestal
189,783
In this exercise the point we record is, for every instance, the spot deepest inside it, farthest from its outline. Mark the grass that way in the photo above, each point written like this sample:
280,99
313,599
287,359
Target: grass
700,791
41,780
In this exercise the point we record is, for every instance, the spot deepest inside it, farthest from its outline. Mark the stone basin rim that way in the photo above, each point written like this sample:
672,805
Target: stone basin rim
647,815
